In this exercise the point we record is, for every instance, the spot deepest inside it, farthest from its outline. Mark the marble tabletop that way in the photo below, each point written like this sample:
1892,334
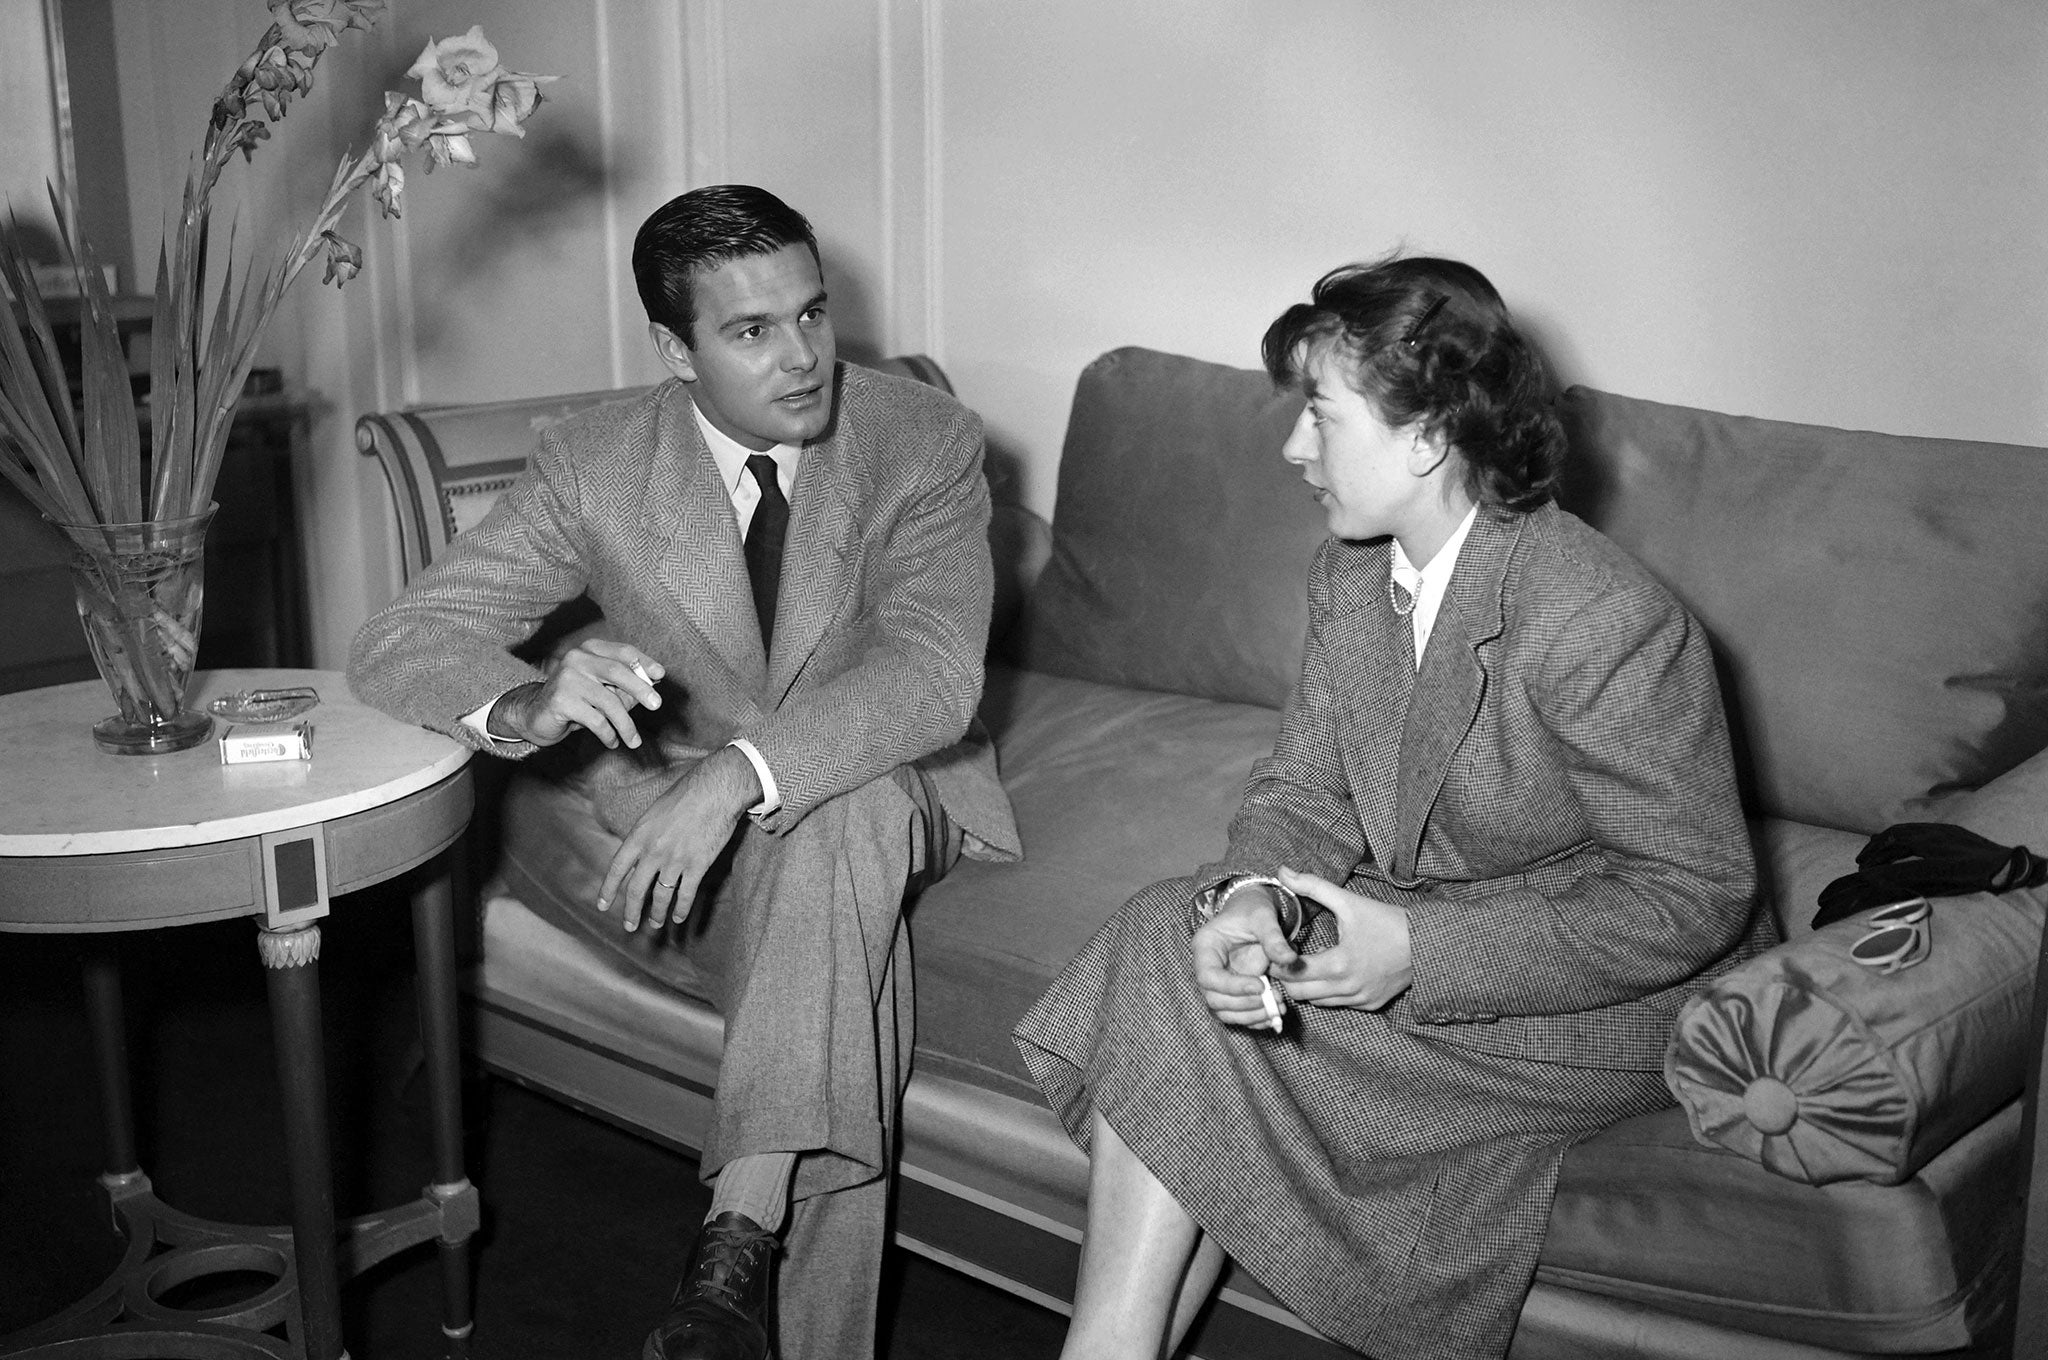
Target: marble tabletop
61,795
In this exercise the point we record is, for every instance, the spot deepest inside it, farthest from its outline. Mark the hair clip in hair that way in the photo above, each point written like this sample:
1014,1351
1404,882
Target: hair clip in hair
1429,314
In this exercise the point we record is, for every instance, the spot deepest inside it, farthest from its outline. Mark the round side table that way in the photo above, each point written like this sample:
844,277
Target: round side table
91,842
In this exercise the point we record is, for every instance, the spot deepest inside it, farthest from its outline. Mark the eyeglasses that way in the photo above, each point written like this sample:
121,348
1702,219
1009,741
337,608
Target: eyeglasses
1897,936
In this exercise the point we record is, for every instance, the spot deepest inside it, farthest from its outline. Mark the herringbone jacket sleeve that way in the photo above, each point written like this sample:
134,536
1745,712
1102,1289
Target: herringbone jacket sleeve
440,650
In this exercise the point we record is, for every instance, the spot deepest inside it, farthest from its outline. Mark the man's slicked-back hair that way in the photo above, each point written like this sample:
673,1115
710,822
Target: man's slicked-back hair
702,229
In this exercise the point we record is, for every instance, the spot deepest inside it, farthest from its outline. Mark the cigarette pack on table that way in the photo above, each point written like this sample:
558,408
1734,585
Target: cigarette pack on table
245,745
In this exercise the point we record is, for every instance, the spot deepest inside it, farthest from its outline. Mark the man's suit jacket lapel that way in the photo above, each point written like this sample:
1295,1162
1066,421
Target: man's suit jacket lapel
815,569
1451,681
703,566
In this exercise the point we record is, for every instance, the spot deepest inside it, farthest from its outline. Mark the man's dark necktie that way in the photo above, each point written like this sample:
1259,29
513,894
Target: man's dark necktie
764,543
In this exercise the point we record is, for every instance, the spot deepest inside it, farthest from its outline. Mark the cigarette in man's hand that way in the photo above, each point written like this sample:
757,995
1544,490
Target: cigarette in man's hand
647,680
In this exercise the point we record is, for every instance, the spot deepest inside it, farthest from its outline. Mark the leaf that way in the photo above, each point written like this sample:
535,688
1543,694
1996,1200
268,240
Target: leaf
54,474
162,364
215,406
40,360
109,396
174,360
227,372
108,454
20,382
44,432
15,470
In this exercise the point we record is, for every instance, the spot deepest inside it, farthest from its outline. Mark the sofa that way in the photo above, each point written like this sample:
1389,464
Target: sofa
1845,1168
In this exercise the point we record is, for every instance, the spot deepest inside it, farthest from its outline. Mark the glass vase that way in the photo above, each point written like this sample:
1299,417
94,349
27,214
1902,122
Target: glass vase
140,589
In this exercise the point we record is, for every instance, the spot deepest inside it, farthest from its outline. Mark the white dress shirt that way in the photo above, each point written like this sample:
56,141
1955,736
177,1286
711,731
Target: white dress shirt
731,457
1426,584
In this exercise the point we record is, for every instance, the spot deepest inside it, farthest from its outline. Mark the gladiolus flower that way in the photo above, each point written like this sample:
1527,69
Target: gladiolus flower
344,259
458,74
463,84
449,148
388,188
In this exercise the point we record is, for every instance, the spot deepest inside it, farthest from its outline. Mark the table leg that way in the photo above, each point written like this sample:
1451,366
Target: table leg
291,962
433,925
102,969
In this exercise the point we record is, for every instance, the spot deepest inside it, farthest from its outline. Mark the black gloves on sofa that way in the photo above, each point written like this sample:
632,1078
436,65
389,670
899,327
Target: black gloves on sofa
1927,859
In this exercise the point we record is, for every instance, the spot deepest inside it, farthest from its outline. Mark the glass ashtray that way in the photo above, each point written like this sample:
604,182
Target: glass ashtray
264,705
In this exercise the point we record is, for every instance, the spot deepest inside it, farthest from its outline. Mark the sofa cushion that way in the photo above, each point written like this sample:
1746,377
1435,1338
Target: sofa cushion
1114,789
1879,604
1645,1214
1822,1069
1181,541
1794,862
2012,809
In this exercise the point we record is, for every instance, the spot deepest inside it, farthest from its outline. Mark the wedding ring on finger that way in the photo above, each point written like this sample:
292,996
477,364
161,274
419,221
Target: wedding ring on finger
1896,937
665,885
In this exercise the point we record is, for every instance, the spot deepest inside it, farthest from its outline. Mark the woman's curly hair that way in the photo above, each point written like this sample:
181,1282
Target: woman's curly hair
1429,342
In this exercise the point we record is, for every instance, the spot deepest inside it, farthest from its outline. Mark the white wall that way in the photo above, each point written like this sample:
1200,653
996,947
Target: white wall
1828,211
29,158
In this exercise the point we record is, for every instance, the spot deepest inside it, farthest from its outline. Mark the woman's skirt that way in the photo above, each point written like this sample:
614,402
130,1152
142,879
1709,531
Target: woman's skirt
1389,1188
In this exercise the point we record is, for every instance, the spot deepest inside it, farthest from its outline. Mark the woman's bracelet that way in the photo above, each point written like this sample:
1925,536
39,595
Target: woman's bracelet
1295,916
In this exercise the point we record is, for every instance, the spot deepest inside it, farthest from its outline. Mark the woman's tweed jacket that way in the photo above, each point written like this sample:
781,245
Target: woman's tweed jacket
1555,806
880,628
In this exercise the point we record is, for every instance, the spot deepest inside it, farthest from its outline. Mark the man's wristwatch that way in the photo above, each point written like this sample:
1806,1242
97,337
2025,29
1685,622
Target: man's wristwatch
1295,916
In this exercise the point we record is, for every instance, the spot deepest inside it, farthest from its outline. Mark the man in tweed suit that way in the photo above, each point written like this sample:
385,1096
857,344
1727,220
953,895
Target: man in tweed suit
792,555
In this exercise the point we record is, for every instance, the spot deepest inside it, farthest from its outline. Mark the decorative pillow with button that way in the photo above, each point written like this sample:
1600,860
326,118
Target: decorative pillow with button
1824,1068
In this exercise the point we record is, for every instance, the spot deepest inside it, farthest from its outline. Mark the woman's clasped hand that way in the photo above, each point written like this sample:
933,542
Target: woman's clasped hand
1366,968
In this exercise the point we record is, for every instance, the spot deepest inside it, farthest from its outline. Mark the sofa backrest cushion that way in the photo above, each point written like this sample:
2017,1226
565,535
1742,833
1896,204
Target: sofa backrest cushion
1181,541
1878,604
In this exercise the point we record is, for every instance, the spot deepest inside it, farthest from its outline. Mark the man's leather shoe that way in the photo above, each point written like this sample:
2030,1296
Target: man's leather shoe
716,1313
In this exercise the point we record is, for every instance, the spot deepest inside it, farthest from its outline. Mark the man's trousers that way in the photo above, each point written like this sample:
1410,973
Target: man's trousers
799,942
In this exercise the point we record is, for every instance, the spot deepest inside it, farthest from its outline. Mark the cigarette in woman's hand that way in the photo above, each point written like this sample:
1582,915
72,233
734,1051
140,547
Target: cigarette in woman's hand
641,671
1270,1001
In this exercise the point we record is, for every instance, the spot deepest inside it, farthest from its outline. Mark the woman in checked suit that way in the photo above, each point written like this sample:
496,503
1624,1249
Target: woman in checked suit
1496,845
